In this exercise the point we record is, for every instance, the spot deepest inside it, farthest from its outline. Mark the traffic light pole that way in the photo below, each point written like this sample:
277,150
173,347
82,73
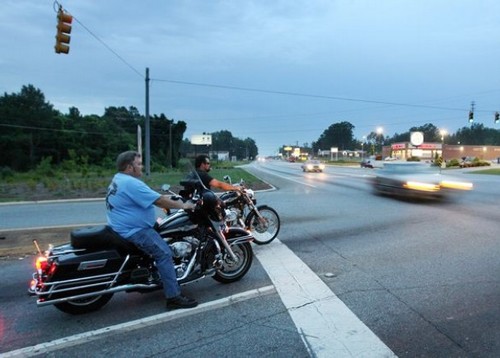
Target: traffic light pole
147,157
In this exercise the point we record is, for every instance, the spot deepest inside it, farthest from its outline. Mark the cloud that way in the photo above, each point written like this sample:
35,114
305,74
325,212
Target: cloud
426,52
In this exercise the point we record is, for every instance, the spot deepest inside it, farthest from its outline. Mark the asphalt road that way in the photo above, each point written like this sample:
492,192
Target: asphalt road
422,277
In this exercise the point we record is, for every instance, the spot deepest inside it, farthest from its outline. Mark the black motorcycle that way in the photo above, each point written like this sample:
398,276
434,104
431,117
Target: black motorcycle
82,275
242,210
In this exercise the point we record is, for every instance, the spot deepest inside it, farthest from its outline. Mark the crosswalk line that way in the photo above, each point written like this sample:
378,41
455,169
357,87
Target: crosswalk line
326,325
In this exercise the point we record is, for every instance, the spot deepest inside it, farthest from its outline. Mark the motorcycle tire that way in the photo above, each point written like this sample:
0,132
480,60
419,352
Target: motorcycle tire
233,271
84,305
263,233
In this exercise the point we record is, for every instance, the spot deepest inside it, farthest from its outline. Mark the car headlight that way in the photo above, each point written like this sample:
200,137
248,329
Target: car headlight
450,184
415,185
321,166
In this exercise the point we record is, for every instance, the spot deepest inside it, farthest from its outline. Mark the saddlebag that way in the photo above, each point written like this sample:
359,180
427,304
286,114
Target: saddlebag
95,250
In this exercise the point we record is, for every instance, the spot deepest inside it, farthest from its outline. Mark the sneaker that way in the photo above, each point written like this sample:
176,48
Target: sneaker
180,302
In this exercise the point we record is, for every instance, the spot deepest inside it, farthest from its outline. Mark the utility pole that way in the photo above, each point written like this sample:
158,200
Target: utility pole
170,145
147,157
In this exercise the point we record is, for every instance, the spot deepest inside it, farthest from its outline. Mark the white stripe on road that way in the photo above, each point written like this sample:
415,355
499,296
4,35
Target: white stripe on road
327,327
85,337
301,182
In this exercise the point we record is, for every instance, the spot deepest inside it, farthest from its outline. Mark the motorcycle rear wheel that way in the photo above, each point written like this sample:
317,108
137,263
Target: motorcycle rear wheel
263,233
233,271
84,305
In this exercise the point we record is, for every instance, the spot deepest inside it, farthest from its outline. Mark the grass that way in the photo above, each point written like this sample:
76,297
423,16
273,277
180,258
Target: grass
492,171
156,180
93,182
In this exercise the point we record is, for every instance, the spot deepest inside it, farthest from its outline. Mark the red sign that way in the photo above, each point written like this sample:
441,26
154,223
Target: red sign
398,146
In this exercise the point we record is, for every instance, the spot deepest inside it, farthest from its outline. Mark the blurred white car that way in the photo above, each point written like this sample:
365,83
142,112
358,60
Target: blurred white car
418,180
313,166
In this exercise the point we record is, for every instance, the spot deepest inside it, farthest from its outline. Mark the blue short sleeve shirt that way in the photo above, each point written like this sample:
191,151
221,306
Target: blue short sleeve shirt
130,205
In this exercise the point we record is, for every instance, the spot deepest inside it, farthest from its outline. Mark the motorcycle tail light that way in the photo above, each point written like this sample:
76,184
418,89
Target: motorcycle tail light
32,287
41,263
43,266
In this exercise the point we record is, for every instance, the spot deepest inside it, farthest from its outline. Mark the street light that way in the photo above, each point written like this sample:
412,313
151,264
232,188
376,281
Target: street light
443,132
380,132
362,144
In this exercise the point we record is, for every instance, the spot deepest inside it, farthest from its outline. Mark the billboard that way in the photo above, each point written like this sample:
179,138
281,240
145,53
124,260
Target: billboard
201,139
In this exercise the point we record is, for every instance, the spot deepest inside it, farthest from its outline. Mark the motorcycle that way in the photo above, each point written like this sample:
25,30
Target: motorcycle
242,210
81,276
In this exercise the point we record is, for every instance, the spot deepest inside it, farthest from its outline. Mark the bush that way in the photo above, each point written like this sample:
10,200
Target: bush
44,168
476,162
6,173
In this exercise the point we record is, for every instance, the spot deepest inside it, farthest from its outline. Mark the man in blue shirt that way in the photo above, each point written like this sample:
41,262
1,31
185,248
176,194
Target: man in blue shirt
130,212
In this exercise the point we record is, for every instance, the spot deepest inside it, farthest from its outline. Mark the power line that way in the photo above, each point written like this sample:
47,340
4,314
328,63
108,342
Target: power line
286,93
109,48
65,130
48,129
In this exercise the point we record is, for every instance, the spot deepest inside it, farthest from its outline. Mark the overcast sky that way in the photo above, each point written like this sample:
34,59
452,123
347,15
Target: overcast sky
280,72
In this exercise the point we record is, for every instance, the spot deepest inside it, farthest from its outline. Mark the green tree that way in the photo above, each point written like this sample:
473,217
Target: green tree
338,135
27,121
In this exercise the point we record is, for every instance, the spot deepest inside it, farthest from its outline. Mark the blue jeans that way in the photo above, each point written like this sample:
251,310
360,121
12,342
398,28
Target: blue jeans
150,242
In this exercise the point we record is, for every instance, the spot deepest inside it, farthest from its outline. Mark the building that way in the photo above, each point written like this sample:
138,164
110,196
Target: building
429,151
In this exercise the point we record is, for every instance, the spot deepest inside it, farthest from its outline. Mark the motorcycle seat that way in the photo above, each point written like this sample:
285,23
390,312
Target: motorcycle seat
101,237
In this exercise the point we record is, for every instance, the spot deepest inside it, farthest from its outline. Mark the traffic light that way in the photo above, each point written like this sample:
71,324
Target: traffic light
497,117
63,30
471,116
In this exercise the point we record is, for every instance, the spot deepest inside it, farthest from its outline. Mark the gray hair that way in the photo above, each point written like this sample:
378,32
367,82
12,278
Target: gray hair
126,158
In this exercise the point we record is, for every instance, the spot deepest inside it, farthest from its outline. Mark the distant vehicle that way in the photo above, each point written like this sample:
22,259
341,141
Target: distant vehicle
366,163
466,163
416,180
313,166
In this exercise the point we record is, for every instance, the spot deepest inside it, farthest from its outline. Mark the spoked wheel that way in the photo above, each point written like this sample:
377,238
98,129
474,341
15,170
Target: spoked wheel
231,270
266,229
84,305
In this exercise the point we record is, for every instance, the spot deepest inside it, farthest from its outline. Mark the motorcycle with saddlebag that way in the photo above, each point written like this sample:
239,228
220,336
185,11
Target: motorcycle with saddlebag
81,276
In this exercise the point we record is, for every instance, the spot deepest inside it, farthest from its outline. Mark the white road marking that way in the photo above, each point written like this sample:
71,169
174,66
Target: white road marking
284,177
327,327
85,337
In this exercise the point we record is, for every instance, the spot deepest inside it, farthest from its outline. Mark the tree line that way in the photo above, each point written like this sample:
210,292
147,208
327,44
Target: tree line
340,135
34,132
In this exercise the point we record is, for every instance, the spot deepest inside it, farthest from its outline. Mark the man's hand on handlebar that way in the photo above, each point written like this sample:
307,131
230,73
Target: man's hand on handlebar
189,205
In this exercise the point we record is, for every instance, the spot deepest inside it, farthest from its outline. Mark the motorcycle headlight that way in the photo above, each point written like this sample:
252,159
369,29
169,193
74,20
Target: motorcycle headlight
231,215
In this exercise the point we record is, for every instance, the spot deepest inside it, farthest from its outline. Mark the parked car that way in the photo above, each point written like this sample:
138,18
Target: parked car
466,163
366,163
313,166
417,180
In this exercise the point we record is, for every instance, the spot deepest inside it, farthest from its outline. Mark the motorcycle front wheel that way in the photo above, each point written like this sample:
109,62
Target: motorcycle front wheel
231,270
84,305
264,231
